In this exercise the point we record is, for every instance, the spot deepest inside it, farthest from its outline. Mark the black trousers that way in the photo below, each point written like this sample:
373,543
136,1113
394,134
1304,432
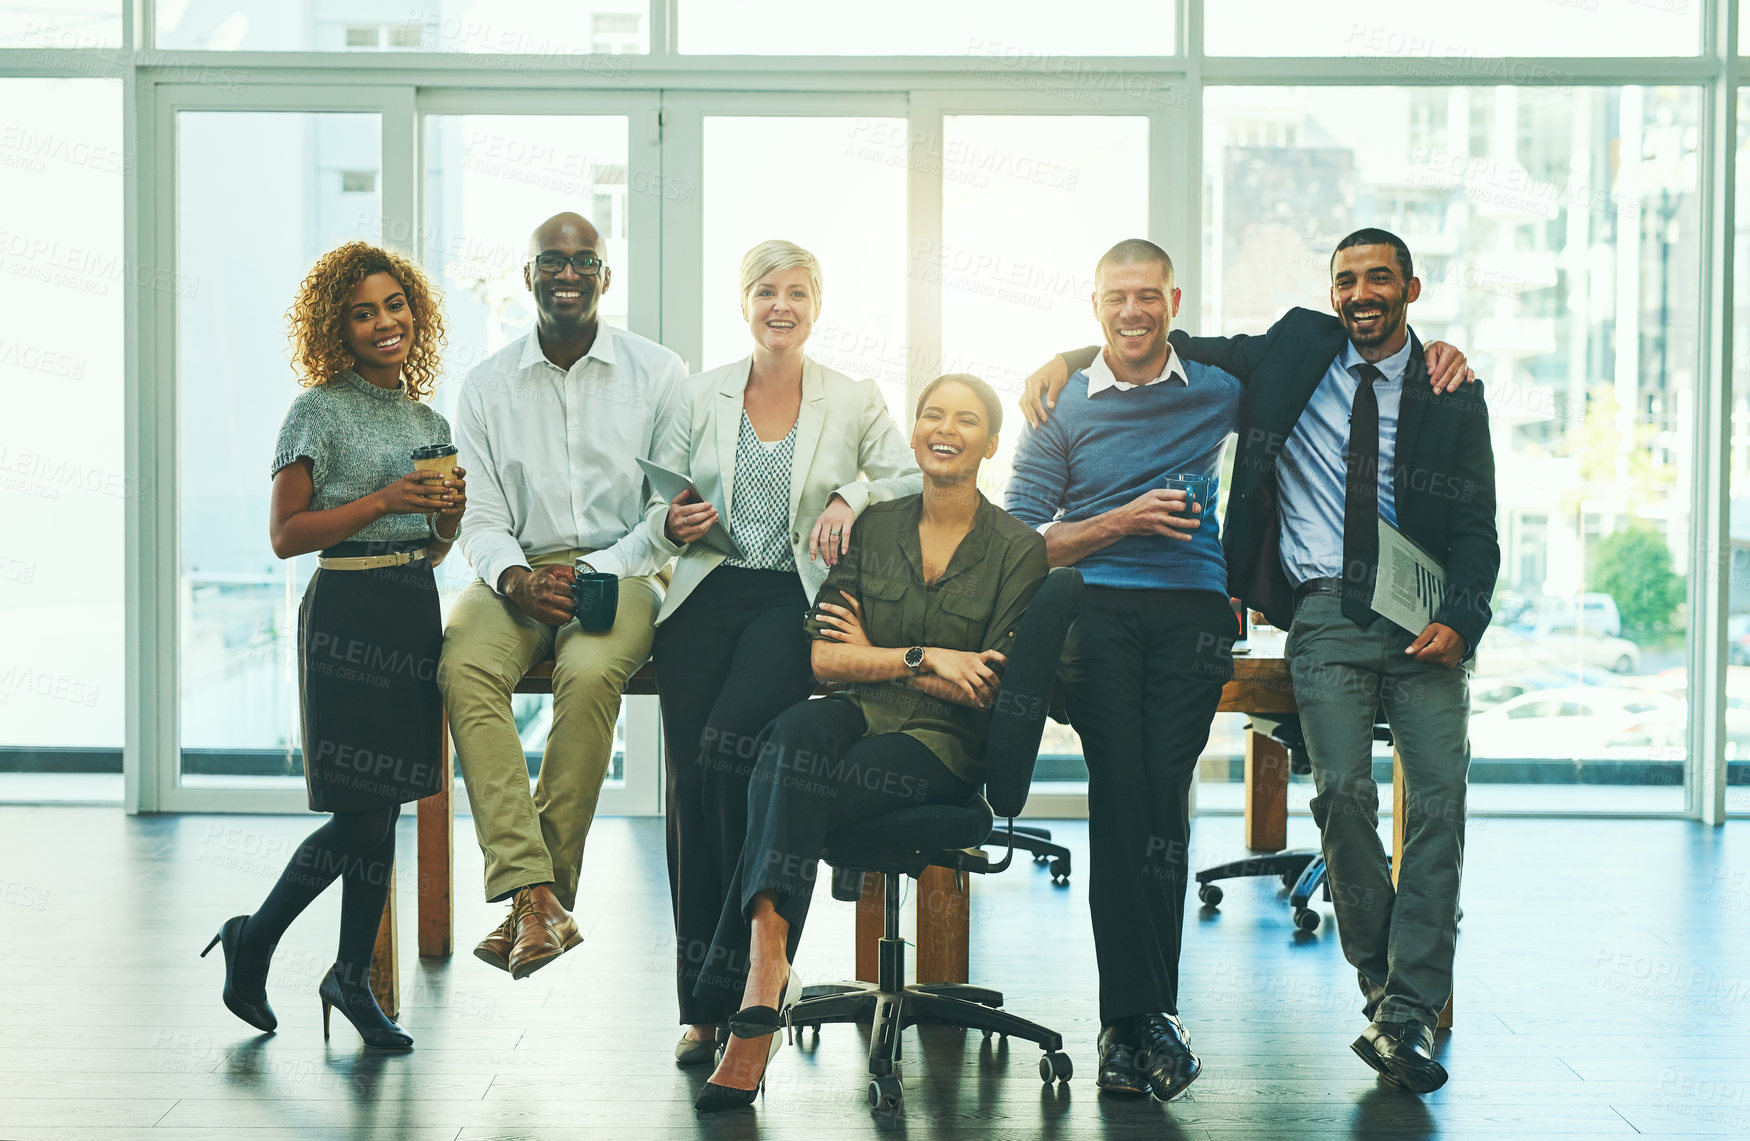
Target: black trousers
1142,673
816,771
730,659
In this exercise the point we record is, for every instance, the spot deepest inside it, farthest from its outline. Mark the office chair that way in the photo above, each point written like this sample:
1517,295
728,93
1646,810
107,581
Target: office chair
1302,871
912,839
1037,842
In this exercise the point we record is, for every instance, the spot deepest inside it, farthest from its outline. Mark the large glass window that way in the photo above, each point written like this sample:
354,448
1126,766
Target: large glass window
559,34
60,25
489,181
1555,232
842,197
313,184
1461,35
1737,563
63,489
1010,41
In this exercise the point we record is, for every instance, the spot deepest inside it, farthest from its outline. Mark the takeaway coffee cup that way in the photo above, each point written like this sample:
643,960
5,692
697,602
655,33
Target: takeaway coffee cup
595,599
440,458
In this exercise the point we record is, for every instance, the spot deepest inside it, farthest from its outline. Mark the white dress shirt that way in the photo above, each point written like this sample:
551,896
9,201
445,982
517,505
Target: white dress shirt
1101,377
552,453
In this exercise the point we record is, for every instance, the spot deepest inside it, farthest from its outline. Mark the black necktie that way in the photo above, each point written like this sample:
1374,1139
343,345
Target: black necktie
1361,502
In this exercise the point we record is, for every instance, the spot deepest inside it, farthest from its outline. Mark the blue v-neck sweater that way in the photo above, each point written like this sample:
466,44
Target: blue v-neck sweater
1098,453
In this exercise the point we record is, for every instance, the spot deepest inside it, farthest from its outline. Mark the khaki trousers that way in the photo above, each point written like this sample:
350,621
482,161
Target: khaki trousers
532,836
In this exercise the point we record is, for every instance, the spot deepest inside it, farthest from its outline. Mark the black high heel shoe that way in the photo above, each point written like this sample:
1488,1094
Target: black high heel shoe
254,1011
372,1024
753,1022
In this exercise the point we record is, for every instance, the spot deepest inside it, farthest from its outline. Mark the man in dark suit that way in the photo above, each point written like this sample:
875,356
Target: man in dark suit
1337,429
1300,537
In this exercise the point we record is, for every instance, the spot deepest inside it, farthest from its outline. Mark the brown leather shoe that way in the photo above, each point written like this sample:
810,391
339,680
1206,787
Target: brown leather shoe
494,950
538,939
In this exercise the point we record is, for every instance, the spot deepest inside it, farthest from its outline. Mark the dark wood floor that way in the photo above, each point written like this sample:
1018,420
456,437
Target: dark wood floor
1603,990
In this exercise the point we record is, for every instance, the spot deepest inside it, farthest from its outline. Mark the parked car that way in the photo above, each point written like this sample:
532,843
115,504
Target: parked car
1593,611
1674,683
1490,690
1584,722
1511,650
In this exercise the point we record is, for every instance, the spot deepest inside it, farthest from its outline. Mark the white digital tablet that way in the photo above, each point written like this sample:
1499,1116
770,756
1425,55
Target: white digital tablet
670,484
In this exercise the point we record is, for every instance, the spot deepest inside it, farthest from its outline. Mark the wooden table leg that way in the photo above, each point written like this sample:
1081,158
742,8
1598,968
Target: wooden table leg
1267,769
944,927
437,832
385,964
870,925
1399,813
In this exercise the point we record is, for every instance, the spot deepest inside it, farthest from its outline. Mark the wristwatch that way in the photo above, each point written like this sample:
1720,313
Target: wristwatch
914,659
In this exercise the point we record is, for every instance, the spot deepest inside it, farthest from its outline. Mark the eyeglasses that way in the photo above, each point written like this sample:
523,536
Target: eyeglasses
586,265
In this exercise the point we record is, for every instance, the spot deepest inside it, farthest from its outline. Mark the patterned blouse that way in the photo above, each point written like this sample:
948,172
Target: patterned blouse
759,517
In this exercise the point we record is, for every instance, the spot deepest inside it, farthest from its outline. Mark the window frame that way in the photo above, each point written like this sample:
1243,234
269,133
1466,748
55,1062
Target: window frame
400,84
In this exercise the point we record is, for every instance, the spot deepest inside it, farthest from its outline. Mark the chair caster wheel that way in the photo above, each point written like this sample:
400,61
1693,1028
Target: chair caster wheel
1055,1067
1060,871
1040,857
885,1093
1210,894
1306,919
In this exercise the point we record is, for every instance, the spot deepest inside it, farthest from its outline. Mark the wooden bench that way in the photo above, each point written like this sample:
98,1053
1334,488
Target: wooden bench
1260,685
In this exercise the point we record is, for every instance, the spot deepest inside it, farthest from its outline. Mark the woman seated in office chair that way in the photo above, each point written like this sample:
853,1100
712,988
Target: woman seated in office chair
914,621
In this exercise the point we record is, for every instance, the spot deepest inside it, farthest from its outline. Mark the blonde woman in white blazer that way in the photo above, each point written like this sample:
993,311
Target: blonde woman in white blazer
778,447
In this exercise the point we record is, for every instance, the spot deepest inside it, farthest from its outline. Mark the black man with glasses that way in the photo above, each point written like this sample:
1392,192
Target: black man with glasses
552,427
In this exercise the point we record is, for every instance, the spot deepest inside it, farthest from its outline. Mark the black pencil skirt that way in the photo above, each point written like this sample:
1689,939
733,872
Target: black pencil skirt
368,646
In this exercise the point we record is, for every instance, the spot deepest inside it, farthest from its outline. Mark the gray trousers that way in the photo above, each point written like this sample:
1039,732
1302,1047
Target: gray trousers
1400,940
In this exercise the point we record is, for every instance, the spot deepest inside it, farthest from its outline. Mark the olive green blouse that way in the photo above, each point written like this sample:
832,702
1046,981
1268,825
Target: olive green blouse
974,605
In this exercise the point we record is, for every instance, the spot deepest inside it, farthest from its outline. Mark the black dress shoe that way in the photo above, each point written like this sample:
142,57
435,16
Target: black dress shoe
245,993
1402,1052
1118,1073
1164,1055
359,1007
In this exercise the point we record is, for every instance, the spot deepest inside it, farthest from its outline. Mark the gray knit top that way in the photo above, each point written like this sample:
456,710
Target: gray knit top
359,439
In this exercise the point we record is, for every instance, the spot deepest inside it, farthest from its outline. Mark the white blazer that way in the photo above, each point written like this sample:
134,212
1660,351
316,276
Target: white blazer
843,432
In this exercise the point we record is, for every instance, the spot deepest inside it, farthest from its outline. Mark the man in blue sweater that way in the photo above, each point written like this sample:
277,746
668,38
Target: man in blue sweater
1147,657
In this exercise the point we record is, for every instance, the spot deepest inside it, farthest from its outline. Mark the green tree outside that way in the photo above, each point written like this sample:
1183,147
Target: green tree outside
1634,567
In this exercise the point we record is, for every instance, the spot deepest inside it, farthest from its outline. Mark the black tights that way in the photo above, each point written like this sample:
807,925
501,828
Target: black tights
358,848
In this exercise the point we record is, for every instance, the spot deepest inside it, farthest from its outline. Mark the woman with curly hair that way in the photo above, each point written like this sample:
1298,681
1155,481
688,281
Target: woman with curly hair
366,334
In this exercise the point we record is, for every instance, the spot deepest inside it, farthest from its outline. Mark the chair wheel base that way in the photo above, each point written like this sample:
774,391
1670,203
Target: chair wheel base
885,1093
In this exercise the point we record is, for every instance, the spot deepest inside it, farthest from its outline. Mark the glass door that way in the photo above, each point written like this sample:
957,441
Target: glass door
258,195
493,167
259,187
749,168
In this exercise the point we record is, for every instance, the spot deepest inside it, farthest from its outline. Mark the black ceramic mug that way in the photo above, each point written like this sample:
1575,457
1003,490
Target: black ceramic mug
595,599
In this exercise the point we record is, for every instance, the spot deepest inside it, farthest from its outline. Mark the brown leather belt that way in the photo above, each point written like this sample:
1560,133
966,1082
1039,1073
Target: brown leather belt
372,562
